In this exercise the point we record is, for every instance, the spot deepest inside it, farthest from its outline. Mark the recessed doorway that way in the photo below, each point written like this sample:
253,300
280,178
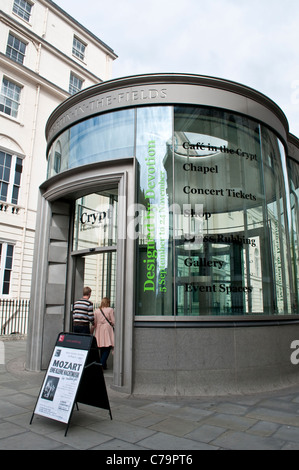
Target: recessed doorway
94,251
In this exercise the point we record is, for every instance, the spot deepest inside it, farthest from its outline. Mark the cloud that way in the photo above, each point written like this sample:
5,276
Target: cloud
252,42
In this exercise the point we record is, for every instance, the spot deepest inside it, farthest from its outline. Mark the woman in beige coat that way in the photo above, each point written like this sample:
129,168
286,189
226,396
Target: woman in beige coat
103,329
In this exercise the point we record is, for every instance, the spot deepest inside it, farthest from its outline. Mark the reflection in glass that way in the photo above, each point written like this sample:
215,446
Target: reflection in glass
101,138
229,216
154,262
100,275
218,166
293,174
95,223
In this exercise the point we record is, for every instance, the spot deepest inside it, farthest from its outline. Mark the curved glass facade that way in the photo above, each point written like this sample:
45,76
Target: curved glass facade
216,216
293,172
104,137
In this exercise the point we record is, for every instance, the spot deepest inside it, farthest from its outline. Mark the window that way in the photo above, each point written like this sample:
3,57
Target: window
57,158
15,49
23,9
95,223
6,258
213,235
75,84
92,140
78,48
10,98
10,177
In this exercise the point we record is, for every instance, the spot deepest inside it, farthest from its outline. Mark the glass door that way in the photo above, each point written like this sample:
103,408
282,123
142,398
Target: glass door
94,244
94,249
95,220
98,271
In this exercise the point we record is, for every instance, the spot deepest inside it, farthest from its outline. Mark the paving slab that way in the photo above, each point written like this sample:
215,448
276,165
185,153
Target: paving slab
275,416
206,433
164,441
245,441
174,426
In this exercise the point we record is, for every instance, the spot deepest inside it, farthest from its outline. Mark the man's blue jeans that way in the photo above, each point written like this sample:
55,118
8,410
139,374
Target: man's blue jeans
104,356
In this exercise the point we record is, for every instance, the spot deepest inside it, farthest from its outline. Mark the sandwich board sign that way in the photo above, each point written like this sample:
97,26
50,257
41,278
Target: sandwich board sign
74,375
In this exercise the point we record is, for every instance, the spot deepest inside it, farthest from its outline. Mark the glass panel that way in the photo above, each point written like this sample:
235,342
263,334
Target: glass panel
293,172
276,189
17,181
3,191
228,265
7,270
15,195
100,275
102,138
154,251
5,167
18,171
95,222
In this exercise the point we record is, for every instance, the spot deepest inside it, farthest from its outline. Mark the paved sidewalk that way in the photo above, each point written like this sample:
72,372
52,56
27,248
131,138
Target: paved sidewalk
261,421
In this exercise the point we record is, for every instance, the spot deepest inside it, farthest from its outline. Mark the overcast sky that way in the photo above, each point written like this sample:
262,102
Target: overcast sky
253,42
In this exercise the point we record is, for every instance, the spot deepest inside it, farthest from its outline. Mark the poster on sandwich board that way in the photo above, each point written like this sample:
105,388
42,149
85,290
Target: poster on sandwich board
61,383
74,375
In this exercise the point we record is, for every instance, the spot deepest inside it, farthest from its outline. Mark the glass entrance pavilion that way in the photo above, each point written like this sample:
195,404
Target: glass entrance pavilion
177,197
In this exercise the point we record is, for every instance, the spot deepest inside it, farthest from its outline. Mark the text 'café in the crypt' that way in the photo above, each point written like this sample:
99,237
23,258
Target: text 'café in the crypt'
176,196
